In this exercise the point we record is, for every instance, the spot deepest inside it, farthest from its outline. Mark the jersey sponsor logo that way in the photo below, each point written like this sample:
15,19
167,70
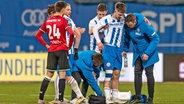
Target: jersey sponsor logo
33,17
108,64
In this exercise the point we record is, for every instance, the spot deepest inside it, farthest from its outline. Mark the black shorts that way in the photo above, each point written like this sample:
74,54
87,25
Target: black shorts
58,58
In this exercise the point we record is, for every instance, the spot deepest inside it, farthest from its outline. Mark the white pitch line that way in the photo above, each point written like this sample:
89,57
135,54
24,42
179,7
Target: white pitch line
30,95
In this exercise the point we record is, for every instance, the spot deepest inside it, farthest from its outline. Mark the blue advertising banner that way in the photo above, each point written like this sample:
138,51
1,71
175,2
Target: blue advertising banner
20,19
168,22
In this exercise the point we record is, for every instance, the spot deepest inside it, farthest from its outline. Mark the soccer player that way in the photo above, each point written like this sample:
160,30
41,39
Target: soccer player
72,56
51,10
145,41
56,27
101,12
111,49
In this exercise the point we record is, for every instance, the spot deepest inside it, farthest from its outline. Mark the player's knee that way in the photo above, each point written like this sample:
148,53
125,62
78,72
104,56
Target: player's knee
138,72
116,75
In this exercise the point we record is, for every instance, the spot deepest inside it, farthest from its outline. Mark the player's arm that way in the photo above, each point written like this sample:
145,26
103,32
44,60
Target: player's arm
153,39
81,30
70,31
78,37
68,28
77,42
96,34
40,38
92,81
147,20
91,25
90,30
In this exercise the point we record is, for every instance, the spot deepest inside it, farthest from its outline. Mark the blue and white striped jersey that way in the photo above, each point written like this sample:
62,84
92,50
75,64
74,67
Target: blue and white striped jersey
93,43
114,32
72,24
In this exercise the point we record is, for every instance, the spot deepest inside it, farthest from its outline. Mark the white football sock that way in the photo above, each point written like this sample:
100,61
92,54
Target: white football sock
107,92
114,93
75,87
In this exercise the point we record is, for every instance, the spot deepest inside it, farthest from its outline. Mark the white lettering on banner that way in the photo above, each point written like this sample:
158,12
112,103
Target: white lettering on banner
4,45
179,23
163,23
17,67
165,20
29,33
31,48
33,17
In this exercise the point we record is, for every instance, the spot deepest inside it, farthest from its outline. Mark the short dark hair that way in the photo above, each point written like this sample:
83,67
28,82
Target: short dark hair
60,5
98,58
101,7
120,7
50,9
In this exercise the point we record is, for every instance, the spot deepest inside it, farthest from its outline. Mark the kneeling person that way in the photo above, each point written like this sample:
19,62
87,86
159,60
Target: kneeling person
88,66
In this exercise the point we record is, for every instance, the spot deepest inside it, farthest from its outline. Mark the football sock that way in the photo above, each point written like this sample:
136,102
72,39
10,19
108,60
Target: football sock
114,93
75,87
56,84
61,89
77,77
43,87
107,92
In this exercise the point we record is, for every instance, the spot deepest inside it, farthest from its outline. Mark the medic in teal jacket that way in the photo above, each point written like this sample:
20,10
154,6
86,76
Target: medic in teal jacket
145,41
85,64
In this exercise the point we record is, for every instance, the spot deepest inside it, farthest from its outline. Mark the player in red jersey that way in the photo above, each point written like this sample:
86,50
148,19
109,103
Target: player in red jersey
56,27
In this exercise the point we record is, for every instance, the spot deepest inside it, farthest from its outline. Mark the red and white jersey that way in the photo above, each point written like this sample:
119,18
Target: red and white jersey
55,27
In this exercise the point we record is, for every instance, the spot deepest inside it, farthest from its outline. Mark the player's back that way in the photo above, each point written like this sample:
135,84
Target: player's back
56,28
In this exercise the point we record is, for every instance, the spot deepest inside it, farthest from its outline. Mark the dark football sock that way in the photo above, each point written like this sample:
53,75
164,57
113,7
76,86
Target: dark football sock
43,87
61,89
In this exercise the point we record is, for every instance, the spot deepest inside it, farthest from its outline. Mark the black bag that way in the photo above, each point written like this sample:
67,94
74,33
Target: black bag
93,99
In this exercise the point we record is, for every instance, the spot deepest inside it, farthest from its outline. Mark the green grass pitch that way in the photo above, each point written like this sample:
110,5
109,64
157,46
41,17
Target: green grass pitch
27,92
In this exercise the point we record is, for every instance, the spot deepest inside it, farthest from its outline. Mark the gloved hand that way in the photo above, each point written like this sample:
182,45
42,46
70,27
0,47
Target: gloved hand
75,53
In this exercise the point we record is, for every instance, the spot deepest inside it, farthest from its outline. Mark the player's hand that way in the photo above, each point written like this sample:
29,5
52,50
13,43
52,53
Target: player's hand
146,20
106,26
81,30
47,46
75,53
100,46
124,54
145,57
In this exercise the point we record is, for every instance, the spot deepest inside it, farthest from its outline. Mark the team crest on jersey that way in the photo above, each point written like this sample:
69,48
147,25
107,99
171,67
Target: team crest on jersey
108,64
122,20
138,30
